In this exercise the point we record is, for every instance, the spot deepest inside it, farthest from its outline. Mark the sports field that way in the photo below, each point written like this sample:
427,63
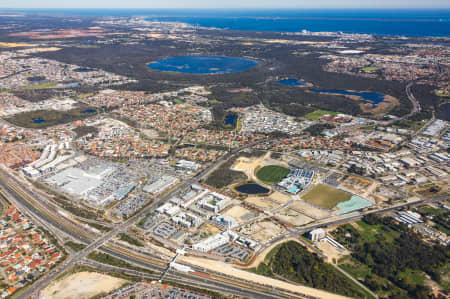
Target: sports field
272,174
326,197
318,114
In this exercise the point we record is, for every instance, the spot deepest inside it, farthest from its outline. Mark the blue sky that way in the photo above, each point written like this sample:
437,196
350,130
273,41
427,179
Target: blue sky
225,4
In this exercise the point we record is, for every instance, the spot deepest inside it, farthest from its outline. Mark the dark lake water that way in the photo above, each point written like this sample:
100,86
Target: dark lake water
292,82
252,188
230,119
372,97
83,70
38,120
203,64
88,111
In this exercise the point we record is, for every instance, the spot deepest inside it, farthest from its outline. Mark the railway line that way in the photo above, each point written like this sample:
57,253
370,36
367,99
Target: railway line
49,215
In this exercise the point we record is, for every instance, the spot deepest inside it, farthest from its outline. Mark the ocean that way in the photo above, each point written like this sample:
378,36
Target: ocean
412,22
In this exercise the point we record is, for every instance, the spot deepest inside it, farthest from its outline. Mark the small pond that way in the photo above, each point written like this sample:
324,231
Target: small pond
372,97
292,82
38,120
230,119
88,111
252,188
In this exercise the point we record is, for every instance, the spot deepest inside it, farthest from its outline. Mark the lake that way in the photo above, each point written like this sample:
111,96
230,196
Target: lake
372,97
292,82
230,119
88,111
203,64
252,188
83,70
38,120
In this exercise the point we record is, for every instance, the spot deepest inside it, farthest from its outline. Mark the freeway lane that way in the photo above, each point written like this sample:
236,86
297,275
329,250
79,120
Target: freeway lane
81,255
67,227
200,283
17,200
251,292
44,281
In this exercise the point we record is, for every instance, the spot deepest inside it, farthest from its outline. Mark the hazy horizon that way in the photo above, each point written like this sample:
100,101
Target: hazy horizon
230,4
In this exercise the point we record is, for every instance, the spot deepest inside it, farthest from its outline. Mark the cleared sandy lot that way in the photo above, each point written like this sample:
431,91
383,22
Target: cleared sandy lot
82,285
248,165
309,209
330,251
293,217
239,213
359,185
280,197
262,203
262,231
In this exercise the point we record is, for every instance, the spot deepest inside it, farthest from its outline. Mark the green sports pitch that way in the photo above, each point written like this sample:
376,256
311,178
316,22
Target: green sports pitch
272,174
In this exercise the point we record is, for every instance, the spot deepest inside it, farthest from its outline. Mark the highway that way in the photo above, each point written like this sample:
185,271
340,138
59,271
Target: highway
48,215
132,257
39,209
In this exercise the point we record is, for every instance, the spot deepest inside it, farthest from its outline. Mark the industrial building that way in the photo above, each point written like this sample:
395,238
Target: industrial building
317,234
214,202
160,185
168,209
52,156
409,217
211,243
187,165
225,221
187,220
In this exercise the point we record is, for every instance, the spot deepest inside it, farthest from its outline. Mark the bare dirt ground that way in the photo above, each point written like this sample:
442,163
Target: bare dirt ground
309,209
238,213
293,217
242,274
359,186
280,197
261,203
248,165
262,231
82,285
208,230
330,251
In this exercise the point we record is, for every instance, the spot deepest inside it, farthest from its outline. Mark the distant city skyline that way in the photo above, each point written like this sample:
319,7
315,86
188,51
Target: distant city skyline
148,4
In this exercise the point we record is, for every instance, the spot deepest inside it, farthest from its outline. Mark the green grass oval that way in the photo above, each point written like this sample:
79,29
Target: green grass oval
272,174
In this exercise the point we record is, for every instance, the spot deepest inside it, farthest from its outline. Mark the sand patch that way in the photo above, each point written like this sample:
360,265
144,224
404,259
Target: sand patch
82,285
360,186
309,209
292,217
239,213
206,231
262,203
330,251
280,197
262,231
248,165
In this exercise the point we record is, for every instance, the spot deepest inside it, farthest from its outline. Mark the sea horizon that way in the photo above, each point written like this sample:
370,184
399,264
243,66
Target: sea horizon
390,22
